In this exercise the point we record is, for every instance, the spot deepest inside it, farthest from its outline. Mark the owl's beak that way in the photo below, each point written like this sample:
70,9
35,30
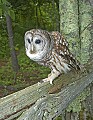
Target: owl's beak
32,51
32,47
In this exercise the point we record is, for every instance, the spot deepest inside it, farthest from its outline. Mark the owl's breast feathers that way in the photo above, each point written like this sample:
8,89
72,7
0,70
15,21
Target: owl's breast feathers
59,57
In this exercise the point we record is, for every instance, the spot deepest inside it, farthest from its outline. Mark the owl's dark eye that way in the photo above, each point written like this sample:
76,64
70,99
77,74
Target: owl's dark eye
28,40
38,41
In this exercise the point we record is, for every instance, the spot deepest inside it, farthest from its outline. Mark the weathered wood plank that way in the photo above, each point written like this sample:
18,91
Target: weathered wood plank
54,104
22,99
14,104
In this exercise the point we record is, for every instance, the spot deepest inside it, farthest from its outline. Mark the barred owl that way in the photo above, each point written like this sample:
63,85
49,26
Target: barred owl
50,49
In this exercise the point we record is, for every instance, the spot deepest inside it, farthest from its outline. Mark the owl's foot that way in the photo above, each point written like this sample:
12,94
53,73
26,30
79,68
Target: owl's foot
51,77
46,80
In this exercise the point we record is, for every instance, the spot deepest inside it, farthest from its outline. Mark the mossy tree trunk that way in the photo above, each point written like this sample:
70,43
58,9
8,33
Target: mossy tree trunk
69,23
76,26
86,29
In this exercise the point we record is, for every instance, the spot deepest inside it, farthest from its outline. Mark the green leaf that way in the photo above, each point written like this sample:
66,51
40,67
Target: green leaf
12,14
4,1
0,12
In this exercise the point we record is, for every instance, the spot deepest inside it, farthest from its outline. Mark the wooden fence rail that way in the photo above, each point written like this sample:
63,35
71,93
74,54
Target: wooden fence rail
45,101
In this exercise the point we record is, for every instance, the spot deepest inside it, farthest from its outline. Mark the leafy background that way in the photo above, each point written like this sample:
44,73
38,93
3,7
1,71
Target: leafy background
25,16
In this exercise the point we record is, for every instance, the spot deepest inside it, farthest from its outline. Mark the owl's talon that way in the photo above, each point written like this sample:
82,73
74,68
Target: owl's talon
51,82
46,80
40,82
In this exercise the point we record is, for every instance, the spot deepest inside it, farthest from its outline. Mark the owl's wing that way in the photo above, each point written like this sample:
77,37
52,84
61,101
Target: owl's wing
62,48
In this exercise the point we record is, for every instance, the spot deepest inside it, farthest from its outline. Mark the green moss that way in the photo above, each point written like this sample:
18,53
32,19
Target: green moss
59,118
75,106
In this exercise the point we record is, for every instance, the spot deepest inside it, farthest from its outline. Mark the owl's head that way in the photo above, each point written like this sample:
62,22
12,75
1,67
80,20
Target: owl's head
37,44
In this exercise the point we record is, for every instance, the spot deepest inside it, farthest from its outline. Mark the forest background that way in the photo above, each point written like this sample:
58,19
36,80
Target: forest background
73,18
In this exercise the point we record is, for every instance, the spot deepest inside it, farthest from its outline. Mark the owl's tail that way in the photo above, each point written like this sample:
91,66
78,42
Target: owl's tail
74,63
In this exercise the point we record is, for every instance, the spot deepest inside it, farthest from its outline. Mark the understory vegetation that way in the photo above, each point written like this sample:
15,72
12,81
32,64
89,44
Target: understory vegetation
30,73
25,15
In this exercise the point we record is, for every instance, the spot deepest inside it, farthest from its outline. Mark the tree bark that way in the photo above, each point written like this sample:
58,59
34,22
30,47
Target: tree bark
15,65
69,23
76,24
86,29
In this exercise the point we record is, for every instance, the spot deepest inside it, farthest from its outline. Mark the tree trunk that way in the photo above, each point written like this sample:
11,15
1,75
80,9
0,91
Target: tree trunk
12,49
76,23
69,23
86,29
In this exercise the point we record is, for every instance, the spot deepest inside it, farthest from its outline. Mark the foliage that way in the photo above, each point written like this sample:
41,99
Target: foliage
4,48
25,15
29,73
5,8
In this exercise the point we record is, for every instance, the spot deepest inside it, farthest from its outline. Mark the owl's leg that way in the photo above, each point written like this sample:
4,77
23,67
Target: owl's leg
51,76
50,73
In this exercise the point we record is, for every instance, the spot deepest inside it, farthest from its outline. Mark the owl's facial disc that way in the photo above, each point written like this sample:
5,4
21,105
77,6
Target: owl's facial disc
36,47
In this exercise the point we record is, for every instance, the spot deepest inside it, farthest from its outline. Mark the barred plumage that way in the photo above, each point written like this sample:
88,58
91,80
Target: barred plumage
50,49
